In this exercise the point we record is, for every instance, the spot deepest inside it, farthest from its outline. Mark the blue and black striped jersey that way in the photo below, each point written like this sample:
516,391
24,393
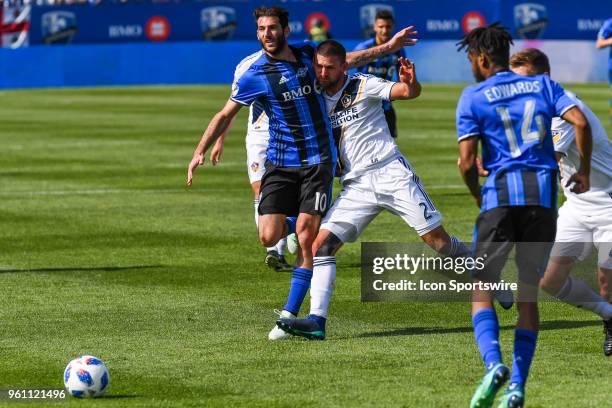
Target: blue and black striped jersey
512,115
300,131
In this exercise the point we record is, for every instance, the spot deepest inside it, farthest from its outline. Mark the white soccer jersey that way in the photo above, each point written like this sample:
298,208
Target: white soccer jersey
359,125
564,136
256,142
257,128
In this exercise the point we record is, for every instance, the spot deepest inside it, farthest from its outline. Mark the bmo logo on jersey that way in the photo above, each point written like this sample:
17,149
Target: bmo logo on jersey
300,92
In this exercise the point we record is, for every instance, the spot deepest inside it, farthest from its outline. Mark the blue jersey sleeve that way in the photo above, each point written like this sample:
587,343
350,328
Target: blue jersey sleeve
467,125
364,45
605,31
560,100
247,87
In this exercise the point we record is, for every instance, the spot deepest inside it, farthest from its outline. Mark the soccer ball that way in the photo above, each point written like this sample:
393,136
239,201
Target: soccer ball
86,376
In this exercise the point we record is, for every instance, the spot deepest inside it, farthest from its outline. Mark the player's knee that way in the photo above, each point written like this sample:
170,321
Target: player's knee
268,237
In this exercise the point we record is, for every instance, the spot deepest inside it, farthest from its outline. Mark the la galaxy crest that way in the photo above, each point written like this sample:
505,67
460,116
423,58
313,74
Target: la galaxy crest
346,100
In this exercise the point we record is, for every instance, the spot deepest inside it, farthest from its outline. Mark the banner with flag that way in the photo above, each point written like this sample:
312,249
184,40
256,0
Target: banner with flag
15,25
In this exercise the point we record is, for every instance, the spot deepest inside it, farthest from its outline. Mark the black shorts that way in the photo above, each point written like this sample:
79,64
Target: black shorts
294,190
391,121
532,227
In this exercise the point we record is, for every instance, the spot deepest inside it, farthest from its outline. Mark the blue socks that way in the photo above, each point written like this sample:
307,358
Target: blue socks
486,332
300,282
524,348
290,221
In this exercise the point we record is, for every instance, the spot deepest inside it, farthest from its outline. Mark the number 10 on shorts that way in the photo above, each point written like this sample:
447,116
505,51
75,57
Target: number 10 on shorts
320,202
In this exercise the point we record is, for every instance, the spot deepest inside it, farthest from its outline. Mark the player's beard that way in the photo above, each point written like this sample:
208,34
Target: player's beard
330,83
478,75
277,47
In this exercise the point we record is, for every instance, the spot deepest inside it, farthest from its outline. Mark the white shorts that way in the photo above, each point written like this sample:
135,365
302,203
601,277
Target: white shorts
256,146
579,228
392,187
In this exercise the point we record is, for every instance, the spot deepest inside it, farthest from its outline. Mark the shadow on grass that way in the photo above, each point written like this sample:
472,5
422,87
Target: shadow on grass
417,331
120,396
83,269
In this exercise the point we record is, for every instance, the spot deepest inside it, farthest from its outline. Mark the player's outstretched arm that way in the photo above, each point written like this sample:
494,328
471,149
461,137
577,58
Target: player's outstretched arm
584,142
404,38
408,87
217,126
468,152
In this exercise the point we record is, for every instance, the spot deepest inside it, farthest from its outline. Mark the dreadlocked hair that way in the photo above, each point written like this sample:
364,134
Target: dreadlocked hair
493,40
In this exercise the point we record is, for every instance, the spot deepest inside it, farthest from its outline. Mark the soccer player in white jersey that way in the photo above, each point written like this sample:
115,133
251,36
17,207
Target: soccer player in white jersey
374,174
256,144
585,220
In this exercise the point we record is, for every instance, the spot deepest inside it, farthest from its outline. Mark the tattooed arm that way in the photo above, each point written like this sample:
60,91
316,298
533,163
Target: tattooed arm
399,40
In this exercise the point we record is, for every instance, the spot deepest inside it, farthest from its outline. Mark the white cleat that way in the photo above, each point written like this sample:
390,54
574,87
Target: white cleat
292,243
277,333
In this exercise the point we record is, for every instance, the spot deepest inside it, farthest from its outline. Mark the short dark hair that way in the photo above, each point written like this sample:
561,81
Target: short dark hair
278,12
531,56
493,40
384,15
332,48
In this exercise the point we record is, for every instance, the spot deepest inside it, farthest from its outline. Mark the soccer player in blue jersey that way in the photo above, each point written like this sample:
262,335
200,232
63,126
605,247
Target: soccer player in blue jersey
510,115
301,154
386,67
604,39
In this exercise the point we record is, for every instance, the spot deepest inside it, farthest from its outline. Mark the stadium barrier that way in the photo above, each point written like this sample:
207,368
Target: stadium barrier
214,63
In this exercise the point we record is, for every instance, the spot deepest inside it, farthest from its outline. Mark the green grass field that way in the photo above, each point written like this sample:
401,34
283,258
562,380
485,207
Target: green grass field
104,251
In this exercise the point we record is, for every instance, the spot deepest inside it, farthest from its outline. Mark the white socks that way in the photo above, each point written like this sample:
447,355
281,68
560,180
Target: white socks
322,284
577,293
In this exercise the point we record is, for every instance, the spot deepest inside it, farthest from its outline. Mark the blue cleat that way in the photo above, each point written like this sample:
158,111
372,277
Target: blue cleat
493,380
308,327
513,398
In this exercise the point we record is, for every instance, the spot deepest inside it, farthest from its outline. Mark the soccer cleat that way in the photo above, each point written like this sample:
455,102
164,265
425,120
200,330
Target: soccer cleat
505,297
608,340
272,259
292,243
306,327
513,398
283,265
277,333
493,380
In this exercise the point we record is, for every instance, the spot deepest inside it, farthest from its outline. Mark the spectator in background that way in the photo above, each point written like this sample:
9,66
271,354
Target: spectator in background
318,33
604,39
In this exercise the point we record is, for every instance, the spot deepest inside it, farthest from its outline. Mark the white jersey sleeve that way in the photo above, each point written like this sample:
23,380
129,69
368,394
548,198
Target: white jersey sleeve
563,135
375,87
